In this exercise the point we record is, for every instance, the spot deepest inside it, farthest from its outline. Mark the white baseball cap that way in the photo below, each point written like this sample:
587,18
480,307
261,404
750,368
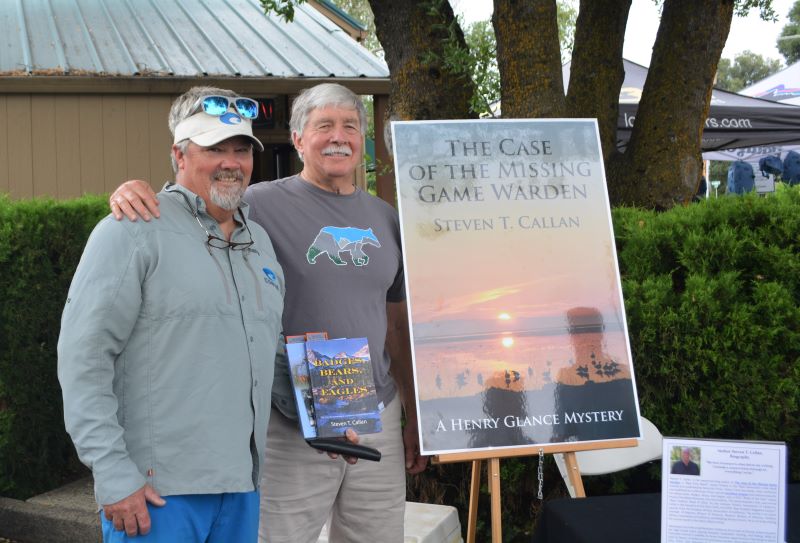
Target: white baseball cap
204,129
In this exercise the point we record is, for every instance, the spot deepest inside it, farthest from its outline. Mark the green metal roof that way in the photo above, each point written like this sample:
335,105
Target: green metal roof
181,38
343,14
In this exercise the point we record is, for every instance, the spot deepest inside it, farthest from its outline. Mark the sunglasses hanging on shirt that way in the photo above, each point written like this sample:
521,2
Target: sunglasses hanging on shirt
214,241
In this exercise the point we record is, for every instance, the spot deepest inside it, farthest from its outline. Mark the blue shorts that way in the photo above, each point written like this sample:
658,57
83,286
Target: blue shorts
200,518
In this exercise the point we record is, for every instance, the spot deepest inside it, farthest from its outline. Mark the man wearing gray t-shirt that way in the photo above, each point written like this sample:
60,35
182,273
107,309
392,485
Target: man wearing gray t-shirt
340,251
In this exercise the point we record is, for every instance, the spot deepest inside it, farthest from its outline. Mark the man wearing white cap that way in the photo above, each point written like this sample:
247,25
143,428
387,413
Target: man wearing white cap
364,297
163,353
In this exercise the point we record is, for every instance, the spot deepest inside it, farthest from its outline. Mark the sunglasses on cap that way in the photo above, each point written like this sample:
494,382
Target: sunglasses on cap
218,105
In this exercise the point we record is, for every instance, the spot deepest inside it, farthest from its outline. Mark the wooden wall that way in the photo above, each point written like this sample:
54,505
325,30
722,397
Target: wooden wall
66,145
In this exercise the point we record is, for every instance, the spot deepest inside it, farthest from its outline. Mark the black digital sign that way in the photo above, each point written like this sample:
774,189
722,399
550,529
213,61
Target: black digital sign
266,113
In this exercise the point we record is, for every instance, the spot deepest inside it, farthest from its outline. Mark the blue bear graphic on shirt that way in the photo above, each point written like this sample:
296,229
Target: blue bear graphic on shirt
333,240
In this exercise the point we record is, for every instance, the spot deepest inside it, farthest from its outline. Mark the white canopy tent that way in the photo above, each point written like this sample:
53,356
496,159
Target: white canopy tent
762,120
782,87
734,121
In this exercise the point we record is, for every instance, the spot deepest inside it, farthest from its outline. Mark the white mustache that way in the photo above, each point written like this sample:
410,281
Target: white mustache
337,150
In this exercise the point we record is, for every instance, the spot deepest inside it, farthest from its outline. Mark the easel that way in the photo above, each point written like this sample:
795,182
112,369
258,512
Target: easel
493,457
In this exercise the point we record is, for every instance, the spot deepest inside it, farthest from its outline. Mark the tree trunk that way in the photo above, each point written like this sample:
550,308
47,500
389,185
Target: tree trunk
415,35
596,70
662,164
529,58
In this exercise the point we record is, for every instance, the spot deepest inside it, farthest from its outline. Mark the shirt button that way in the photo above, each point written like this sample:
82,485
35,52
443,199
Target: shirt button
251,339
255,383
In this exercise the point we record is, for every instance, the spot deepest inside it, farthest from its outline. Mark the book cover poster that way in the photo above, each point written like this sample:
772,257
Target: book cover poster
517,320
343,387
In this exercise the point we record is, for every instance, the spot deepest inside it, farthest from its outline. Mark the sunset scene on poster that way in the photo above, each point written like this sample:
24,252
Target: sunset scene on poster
513,290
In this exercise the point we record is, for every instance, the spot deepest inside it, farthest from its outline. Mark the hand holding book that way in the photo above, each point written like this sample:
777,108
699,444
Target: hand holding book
349,448
334,393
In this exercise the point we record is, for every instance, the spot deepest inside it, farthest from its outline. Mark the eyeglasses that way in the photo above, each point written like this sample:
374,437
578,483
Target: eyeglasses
217,242
218,105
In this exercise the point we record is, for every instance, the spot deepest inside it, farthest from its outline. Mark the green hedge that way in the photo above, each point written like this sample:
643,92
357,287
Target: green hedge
41,242
711,294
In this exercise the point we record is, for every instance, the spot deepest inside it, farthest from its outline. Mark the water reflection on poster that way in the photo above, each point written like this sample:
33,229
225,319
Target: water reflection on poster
518,325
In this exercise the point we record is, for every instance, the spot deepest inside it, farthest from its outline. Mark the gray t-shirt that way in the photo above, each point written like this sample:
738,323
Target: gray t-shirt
341,260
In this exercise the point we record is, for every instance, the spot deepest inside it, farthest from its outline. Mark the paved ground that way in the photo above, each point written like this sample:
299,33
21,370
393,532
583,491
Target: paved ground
69,511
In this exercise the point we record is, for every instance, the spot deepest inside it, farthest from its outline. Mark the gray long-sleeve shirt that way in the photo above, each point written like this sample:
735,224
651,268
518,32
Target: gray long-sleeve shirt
166,353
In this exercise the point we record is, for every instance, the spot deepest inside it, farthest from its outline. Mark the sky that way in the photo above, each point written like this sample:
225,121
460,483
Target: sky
748,33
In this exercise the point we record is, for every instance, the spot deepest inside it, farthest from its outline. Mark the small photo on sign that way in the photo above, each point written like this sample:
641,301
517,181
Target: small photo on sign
685,461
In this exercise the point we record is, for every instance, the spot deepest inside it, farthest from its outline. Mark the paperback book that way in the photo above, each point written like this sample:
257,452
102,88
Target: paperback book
342,387
298,369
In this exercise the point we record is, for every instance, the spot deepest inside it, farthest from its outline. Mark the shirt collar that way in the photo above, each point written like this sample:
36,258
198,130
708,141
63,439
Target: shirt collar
198,204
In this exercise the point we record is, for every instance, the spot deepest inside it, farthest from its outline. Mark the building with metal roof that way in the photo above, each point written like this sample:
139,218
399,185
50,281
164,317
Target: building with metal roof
88,83
355,28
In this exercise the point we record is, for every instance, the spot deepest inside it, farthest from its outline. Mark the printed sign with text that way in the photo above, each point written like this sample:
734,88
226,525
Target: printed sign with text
716,491
518,325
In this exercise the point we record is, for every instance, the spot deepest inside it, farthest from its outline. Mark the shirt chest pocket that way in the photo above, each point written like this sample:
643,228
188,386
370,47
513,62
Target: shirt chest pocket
190,281
261,279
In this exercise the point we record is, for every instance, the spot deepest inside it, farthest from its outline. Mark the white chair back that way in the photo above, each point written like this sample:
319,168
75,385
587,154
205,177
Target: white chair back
602,461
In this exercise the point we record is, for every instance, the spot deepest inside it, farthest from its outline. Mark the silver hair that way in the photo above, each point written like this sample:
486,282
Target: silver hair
320,96
181,145
185,106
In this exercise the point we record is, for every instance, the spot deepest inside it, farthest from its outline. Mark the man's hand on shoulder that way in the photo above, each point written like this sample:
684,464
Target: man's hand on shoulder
130,514
134,199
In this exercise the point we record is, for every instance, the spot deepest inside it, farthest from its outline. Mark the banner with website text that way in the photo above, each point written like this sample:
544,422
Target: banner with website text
518,326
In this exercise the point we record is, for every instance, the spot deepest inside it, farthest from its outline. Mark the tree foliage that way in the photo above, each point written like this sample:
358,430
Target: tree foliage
596,70
661,165
362,12
529,59
789,40
567,17
745,69
284,8
419,38
481,62
480,59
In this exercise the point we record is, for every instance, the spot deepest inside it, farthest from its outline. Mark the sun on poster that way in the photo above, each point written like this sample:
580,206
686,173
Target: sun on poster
518,326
